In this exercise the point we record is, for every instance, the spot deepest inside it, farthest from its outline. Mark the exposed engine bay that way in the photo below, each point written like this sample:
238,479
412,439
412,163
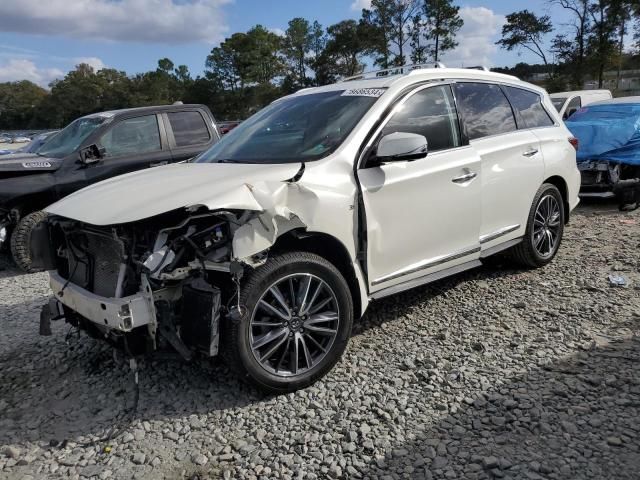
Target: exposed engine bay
149,285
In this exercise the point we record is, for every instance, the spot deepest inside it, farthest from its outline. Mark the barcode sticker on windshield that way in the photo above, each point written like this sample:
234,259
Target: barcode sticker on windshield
364,92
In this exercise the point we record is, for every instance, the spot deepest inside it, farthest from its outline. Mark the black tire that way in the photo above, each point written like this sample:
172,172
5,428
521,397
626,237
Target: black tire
237,334
525,253
21,240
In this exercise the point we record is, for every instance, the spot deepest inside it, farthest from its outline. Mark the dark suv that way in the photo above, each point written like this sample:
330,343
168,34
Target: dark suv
91,149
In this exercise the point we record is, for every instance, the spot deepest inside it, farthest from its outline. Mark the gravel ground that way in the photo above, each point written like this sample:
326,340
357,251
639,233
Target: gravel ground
494,373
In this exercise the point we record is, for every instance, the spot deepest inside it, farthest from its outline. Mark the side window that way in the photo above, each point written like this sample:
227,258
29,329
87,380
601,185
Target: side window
529,104
132,136
188,128
574,105
484,109
430,112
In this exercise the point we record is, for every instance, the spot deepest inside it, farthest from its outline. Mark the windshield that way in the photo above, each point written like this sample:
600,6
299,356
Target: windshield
558,102
608,113
71,137
295,129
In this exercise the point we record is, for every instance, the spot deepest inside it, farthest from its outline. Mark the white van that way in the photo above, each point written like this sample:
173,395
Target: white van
567,103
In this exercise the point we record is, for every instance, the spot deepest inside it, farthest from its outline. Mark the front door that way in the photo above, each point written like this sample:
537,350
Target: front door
423,215
130,144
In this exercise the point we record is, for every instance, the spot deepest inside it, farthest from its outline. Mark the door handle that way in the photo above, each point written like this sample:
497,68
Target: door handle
159,164
464,178
531,152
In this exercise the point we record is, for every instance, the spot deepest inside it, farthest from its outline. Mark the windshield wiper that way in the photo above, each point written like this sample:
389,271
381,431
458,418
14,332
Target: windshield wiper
231,160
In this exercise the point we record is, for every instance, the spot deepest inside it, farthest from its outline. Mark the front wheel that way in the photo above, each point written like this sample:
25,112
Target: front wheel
296,324
545,227
21,240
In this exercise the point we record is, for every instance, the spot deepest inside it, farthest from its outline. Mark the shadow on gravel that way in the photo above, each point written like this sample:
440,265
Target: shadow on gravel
7,268
69,387
403,303
575,419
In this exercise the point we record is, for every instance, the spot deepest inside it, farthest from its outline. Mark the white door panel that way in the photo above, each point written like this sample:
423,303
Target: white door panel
418,218
512,172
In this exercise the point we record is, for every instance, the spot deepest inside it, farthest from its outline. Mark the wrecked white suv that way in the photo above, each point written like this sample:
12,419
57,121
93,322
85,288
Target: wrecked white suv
266,247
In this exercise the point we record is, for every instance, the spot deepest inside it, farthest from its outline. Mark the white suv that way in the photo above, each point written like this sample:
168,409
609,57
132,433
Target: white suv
266,247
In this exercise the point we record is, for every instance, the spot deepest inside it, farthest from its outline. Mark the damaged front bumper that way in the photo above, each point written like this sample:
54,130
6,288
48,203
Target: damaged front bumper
123,314
598,178
604,179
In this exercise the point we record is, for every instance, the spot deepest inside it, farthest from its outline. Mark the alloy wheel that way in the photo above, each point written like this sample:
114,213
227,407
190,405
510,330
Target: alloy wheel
294,325
546,226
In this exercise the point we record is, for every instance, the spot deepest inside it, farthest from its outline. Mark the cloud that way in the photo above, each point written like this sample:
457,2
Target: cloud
95,62
476,39
22,69
358,5
155,21
278,31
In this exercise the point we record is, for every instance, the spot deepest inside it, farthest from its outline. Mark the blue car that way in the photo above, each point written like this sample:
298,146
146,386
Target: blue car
609,148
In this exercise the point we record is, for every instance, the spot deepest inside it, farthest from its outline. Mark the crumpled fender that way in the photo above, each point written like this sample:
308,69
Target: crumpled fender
276,218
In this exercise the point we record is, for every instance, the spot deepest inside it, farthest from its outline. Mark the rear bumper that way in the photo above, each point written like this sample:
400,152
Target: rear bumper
123,314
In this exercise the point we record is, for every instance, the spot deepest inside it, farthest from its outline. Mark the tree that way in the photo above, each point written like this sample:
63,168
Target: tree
297,45
318,44
571,50
526,30
417,34
387,27
19,102
346,45
606,16
443,23
376,26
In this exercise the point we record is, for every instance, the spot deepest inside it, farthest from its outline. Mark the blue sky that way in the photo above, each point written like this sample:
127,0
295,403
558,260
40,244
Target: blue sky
41,41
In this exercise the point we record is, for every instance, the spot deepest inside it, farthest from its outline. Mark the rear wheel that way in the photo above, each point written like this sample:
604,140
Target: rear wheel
21,240
297,323
545,227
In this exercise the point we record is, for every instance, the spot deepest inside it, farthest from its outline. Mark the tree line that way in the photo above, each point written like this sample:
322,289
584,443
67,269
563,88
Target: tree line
250,69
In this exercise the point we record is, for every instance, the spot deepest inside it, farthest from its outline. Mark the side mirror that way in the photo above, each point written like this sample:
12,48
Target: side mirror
401,146
91,154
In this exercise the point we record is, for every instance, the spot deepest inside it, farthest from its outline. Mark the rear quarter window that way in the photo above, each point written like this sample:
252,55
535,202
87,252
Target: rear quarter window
484,109
189,128
529,106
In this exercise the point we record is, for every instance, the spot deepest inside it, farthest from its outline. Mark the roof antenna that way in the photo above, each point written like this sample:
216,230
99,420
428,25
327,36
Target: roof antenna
439,65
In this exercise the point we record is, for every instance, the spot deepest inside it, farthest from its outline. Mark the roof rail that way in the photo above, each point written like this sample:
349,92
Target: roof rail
479,67
388,72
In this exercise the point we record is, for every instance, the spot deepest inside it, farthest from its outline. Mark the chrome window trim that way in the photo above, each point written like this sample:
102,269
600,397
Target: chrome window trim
399,103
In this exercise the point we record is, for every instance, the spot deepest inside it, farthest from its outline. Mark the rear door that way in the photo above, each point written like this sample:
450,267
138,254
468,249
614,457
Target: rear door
512,164
189,133
130,144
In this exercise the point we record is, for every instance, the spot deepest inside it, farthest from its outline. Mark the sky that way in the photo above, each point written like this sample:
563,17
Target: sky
42,40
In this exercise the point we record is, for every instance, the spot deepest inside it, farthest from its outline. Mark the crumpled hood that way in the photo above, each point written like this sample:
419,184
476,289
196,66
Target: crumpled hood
146,193
23,162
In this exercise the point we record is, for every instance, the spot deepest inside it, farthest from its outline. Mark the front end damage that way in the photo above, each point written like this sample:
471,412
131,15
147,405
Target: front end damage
153,285
164,282
604,179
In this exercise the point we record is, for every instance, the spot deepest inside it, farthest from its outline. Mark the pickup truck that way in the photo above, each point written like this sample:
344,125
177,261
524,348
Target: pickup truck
91,149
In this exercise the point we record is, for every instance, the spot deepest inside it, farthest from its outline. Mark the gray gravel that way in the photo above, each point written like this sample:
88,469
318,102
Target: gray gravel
497,373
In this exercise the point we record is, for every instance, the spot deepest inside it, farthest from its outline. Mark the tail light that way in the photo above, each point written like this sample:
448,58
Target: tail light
574,142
